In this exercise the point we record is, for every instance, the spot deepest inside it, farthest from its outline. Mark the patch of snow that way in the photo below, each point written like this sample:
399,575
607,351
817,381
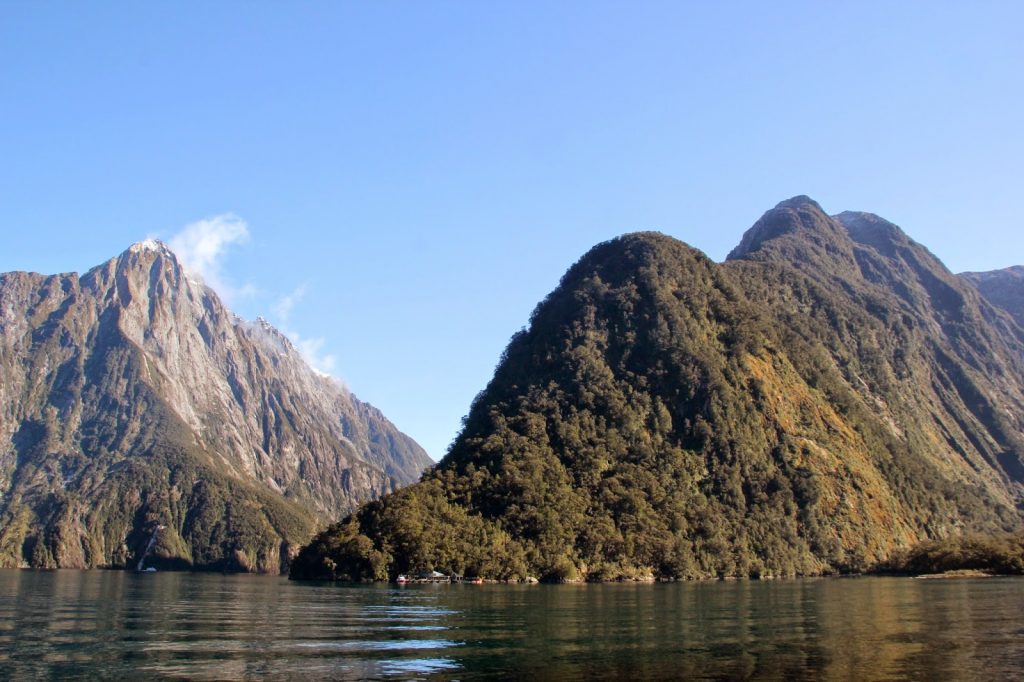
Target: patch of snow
147,245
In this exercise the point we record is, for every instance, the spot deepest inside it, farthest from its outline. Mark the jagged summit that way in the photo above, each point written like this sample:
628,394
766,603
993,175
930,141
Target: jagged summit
800,201
146,252
798,232
272,334
873,230
1002,288
150,244
800,216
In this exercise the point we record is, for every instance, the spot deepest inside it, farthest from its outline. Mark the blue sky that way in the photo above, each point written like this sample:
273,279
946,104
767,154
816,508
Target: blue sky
413,177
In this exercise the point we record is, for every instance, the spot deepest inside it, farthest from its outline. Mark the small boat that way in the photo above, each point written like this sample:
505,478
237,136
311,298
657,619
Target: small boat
402,579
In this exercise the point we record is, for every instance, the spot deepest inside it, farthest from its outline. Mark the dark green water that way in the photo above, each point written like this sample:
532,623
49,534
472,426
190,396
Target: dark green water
115,625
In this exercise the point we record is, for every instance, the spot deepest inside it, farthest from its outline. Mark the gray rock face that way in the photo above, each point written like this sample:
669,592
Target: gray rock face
131,397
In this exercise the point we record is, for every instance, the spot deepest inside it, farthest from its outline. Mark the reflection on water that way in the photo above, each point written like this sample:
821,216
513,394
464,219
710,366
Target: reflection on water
123,625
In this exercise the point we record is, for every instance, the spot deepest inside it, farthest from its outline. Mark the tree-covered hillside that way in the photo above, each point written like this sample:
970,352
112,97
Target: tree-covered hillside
828,395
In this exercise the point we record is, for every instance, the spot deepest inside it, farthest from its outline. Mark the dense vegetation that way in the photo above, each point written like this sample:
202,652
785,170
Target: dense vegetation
994,554
808,407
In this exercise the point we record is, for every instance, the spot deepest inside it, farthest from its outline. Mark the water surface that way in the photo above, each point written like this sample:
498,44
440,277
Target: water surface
119,625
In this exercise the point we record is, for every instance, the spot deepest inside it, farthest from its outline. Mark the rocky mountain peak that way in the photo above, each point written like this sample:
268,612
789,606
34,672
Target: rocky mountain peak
144,392
269,335
148,275
797,232
800,202
873,230
1002,288
147,252
149,245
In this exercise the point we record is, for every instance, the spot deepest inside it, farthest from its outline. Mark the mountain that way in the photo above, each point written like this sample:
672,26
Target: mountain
131,398
829,394
1003,288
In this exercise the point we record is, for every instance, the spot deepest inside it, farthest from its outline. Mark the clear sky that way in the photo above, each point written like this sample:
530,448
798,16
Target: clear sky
397,184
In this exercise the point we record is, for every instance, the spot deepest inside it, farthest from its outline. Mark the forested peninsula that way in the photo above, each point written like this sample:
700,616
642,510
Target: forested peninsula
828,397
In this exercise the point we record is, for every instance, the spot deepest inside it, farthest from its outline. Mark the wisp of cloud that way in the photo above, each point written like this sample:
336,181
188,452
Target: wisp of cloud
201,247
311,349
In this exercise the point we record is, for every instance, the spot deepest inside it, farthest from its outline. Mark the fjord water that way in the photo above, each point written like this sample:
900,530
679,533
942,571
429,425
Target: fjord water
115,625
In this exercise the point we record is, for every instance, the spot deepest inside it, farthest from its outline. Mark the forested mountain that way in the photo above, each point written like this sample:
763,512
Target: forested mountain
827,395
1003,288
130,397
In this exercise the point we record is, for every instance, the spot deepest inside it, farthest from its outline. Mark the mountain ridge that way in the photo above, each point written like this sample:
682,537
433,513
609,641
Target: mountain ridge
1002,288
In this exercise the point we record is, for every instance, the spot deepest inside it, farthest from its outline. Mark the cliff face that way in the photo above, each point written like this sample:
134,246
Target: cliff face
827,395
131,397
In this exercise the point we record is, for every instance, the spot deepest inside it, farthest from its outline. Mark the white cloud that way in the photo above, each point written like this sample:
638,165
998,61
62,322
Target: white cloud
283,306
312,352
311,349
247,290
201,247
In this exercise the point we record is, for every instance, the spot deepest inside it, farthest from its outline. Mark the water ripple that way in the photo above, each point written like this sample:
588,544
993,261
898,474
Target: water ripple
110,625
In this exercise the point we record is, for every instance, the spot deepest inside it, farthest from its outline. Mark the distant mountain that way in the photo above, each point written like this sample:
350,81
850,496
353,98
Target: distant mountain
828,395
1002,288
130,397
